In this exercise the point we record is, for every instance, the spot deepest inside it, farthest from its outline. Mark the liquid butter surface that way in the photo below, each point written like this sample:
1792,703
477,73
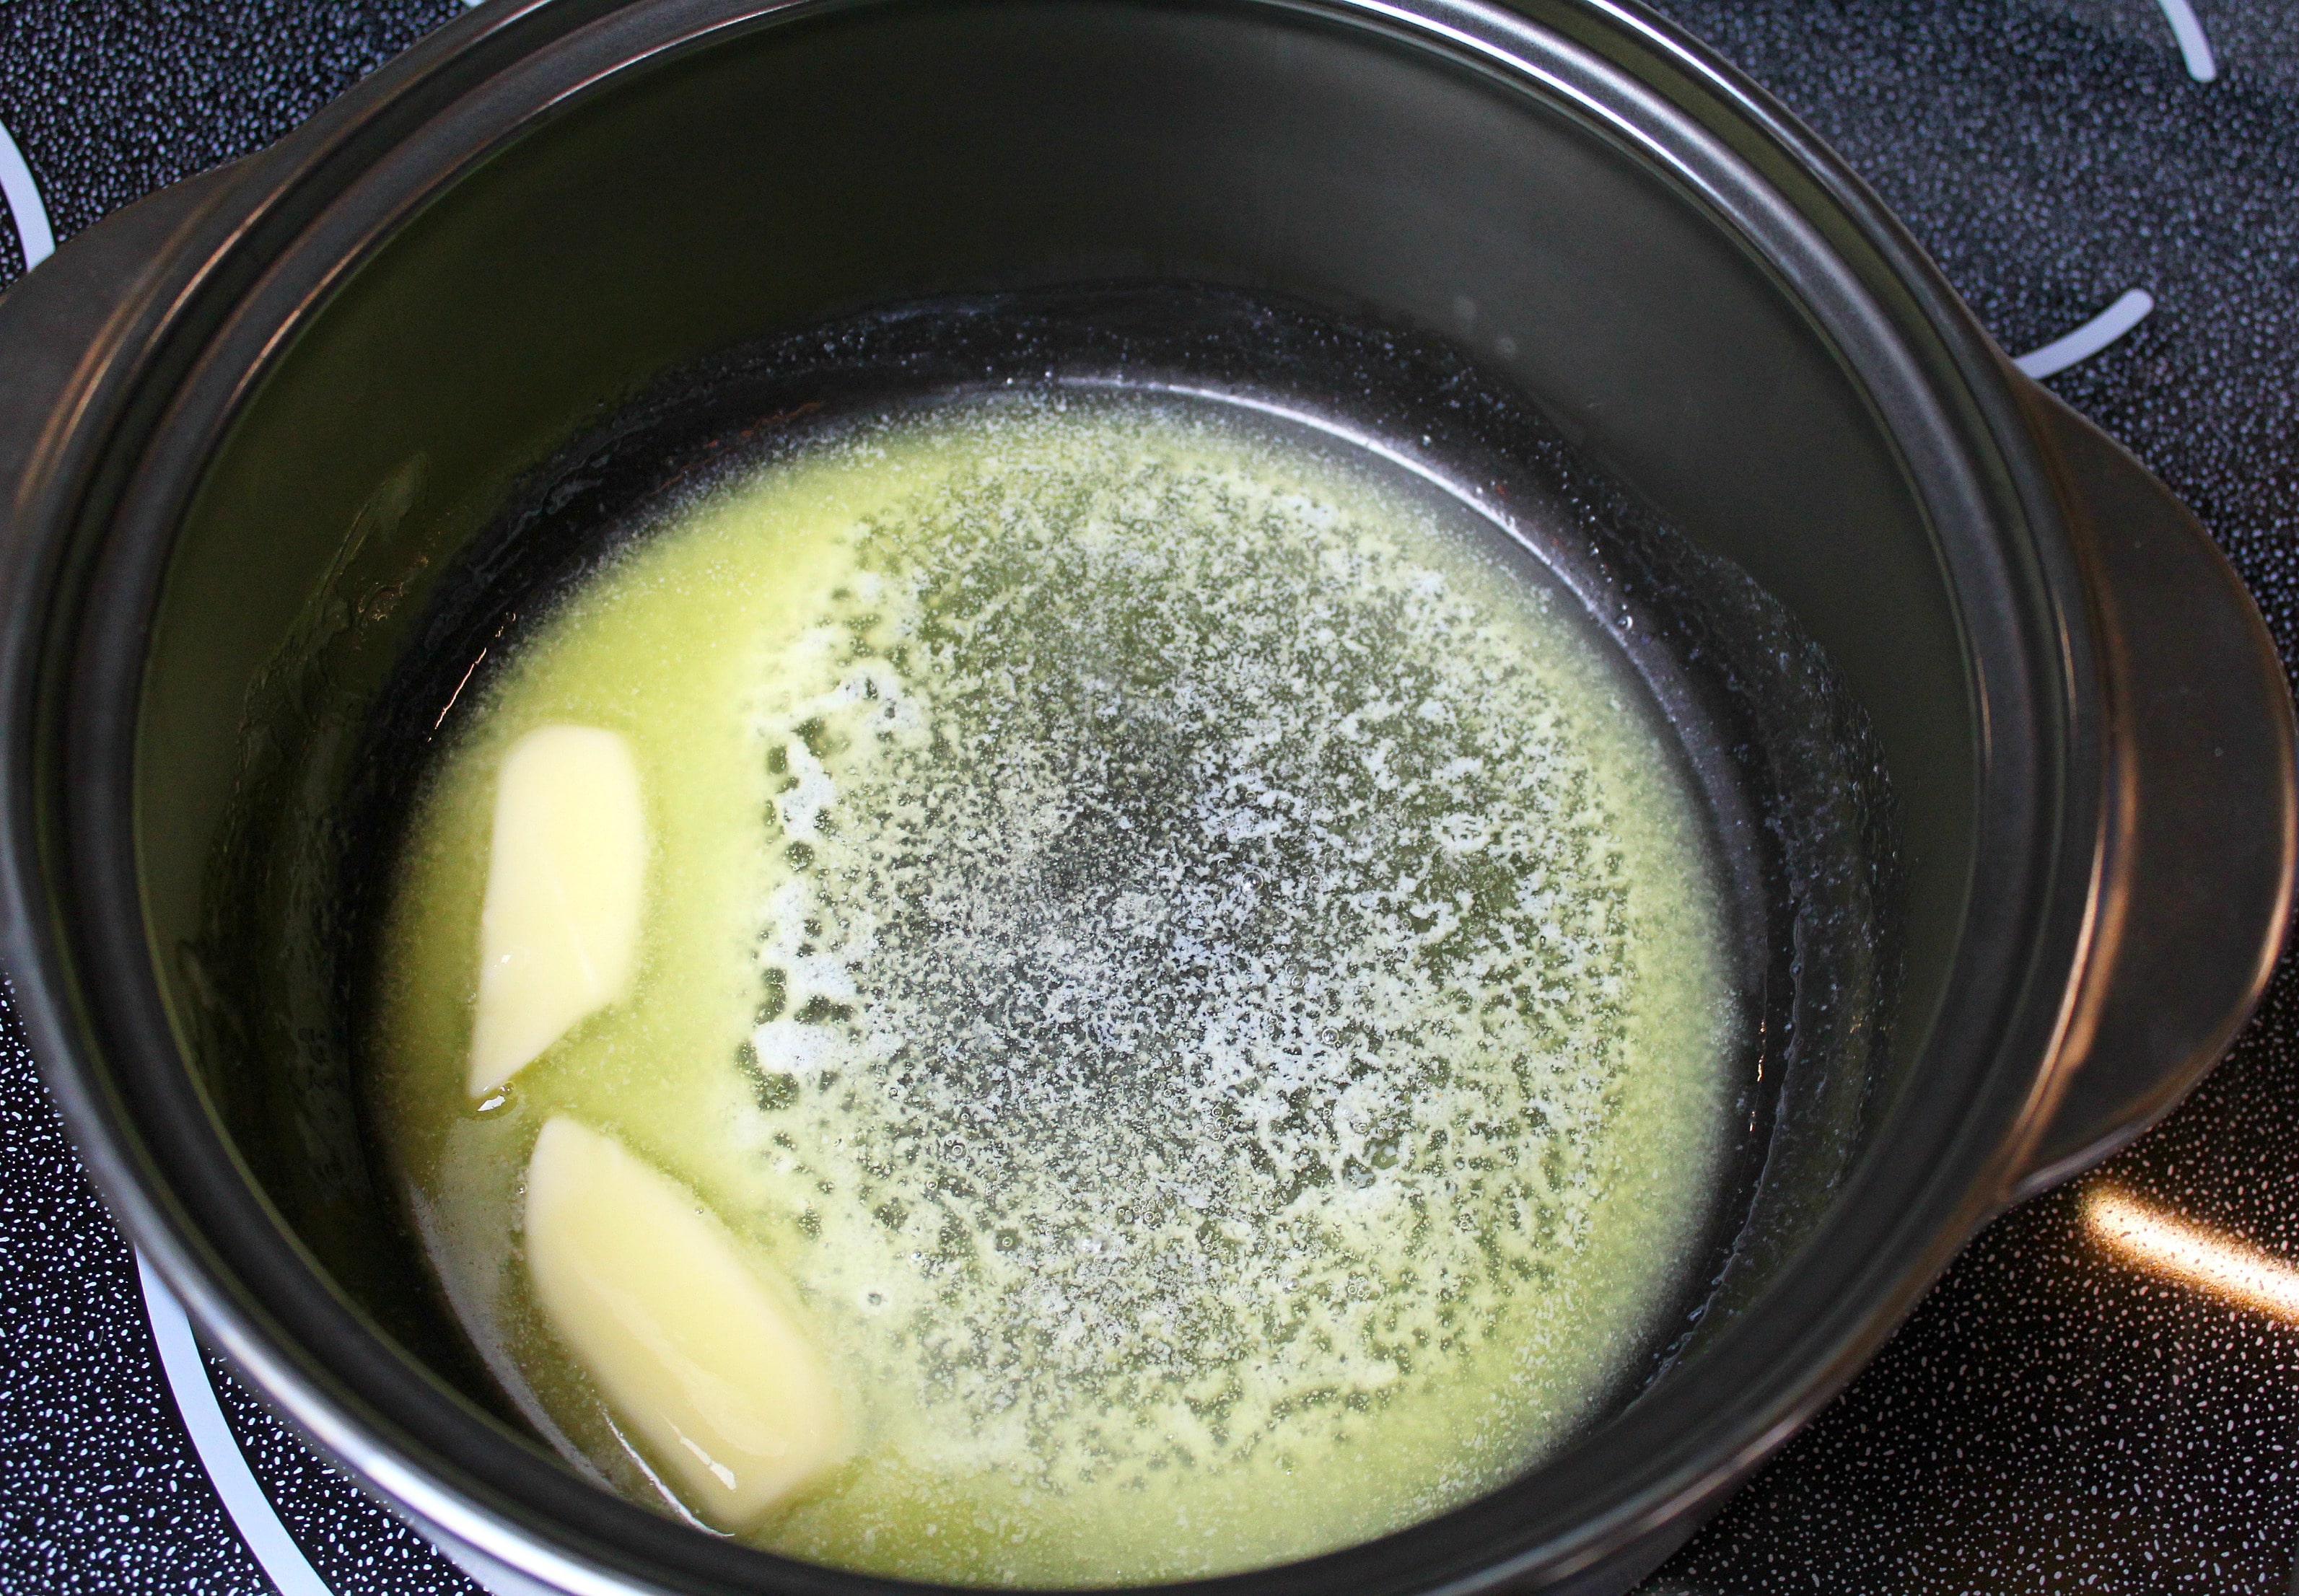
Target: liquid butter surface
1170,972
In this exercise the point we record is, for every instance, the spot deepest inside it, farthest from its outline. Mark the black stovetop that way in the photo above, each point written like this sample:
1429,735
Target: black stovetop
2102,1395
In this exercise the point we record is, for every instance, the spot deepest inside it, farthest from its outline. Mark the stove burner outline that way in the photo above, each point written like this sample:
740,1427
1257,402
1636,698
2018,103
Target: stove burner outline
25,206
2133,306
2128,312
235,1485
2194,49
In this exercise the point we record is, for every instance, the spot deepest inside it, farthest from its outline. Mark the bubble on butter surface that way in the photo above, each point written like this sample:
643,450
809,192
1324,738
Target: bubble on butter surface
1231,1023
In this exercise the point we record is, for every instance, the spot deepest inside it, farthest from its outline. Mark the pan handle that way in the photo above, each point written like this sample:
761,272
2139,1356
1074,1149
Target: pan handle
2194,889
61,322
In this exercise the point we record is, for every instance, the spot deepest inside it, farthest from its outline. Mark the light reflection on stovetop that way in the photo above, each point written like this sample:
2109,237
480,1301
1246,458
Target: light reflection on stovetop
2100,1395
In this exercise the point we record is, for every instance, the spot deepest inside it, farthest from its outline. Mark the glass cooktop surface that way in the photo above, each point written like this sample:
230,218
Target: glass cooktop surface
2101,1395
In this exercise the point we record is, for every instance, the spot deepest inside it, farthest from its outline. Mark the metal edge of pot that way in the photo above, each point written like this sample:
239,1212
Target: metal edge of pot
1642,1484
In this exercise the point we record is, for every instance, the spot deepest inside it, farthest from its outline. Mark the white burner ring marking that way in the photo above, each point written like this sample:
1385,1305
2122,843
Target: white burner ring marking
2194,49
24,202
250,1509
2091,337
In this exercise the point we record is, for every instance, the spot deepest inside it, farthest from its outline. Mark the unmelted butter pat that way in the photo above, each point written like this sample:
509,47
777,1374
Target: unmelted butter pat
655,1298
559,928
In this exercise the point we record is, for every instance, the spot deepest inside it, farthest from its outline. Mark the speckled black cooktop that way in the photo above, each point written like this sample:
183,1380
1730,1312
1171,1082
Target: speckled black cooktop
2114,185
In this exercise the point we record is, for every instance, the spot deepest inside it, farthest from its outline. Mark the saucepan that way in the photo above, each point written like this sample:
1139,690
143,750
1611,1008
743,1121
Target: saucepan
1997,748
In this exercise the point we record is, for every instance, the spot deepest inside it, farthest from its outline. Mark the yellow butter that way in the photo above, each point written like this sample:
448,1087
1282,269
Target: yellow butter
656,1299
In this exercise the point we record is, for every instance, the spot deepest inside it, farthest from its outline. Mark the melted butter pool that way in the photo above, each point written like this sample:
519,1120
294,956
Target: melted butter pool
1196,971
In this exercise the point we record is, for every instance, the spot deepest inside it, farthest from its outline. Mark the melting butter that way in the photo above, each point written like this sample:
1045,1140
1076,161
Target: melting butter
560,932
1183,953
678,1327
